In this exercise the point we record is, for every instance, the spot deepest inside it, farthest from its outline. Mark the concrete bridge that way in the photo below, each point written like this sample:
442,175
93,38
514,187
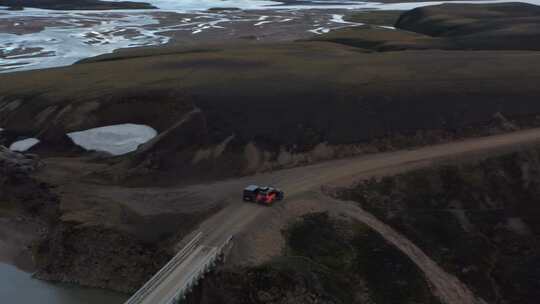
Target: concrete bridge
176,279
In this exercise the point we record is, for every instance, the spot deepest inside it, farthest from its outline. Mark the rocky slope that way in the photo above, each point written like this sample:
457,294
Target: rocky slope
20,192
27,207
97,256
478,220
60,243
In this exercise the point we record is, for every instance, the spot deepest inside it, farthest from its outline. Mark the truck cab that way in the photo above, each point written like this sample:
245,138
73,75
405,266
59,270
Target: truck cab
250,193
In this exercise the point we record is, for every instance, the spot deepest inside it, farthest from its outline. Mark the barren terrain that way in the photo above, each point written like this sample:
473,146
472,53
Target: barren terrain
364,113
131,210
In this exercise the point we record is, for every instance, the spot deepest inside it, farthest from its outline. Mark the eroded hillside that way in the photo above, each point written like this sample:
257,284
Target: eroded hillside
249,109
477,220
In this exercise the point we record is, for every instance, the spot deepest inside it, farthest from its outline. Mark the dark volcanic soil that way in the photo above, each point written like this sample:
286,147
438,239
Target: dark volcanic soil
479,221
65,232
230,110
321,92
27,207
98,256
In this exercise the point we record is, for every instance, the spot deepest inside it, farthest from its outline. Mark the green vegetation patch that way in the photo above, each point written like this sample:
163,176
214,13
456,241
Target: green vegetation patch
6,207
390,276
327,260
388,18
316,237
369,267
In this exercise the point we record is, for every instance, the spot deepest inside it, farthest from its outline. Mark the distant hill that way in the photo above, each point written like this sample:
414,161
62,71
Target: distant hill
505,26
494,26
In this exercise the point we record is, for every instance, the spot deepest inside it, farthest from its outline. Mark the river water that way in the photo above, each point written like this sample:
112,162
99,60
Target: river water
18,287
37,38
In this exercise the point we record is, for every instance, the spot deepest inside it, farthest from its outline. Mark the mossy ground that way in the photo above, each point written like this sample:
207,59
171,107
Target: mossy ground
326,261
480,221
388,18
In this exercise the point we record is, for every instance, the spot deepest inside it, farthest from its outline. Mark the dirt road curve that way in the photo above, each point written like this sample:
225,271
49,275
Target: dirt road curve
445,286
299,180
237,215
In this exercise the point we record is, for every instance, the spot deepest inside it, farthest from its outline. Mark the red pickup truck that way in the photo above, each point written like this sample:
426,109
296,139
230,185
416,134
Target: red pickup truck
262,194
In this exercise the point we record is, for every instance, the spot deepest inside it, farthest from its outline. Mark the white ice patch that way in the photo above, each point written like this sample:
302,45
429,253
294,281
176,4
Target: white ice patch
261,23
320,30
209,25
116,139
23,145
339,19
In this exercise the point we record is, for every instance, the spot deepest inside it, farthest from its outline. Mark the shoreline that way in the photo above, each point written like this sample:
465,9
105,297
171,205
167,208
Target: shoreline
38,291
89,35
16,239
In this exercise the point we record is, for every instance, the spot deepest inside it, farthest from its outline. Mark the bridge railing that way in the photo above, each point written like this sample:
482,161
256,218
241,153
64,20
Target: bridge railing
164,271
195,276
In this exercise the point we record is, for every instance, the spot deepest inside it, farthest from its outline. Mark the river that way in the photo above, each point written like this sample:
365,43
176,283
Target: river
38,38
19,287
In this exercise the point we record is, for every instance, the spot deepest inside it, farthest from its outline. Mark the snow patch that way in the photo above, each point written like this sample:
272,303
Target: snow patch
209,25
261,23
320,30
339,19
115,139
23,145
